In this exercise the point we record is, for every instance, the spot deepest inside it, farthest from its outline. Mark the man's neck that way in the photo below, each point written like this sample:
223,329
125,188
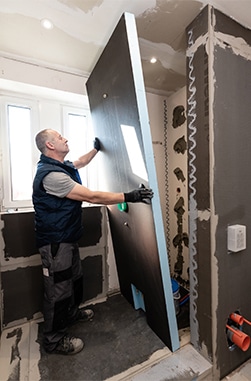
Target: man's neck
55,156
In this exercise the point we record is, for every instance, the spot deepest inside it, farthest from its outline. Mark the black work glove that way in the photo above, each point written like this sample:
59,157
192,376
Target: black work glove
139,195
96,144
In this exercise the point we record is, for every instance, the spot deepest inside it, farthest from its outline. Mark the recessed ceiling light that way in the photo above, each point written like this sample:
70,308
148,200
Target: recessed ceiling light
47,24
153,60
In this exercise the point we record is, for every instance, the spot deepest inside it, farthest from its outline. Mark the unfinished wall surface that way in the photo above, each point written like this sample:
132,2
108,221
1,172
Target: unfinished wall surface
21,271
199,200
169,139
176,142
219,91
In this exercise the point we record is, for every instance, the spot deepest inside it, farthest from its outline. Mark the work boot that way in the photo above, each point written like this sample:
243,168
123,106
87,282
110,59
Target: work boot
69,345
84,315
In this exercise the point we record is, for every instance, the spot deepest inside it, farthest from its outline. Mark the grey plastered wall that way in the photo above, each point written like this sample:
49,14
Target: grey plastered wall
219,135
21,272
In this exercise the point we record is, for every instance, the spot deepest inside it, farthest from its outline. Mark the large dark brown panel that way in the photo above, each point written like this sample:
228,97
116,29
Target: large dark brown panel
138,238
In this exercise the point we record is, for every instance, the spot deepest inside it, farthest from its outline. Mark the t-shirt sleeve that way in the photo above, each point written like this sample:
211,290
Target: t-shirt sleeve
58,184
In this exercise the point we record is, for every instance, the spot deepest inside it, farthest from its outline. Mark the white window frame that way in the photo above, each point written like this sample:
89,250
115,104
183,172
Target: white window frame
63,106
87,142
7,203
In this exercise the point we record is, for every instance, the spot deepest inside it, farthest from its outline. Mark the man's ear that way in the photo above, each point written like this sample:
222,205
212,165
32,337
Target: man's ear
49,145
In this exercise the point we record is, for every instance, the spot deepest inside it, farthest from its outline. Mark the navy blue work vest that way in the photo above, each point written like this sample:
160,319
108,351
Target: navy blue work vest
56,219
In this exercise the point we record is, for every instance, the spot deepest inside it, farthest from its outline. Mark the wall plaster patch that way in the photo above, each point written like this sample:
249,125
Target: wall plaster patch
19,353
238,45
21,262
201,40
204,215
169,58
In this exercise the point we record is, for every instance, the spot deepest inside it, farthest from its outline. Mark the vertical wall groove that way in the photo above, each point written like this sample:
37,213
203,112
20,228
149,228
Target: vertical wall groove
192,193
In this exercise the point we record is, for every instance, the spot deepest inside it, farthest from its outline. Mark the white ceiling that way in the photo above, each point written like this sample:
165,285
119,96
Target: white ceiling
82,29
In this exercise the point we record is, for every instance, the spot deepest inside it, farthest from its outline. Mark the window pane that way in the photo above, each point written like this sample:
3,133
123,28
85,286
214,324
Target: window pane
76,135
20,152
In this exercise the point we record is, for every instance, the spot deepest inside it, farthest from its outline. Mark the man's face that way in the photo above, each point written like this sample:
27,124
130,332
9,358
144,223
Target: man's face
59,143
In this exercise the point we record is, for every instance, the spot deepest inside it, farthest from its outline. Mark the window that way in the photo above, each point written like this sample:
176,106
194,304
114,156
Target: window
21,119
78,130
19,123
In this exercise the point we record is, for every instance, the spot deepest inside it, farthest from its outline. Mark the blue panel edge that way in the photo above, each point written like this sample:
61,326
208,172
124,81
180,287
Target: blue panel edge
138,298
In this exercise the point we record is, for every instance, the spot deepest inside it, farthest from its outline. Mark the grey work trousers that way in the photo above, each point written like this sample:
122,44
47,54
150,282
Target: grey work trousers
63,289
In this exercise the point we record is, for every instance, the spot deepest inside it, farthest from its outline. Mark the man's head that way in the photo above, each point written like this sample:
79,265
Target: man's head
52,144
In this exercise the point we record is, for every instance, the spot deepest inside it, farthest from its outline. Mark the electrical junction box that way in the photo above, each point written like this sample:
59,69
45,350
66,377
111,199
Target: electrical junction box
236,238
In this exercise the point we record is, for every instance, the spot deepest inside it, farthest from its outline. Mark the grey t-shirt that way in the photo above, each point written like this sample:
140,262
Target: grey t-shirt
58,184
